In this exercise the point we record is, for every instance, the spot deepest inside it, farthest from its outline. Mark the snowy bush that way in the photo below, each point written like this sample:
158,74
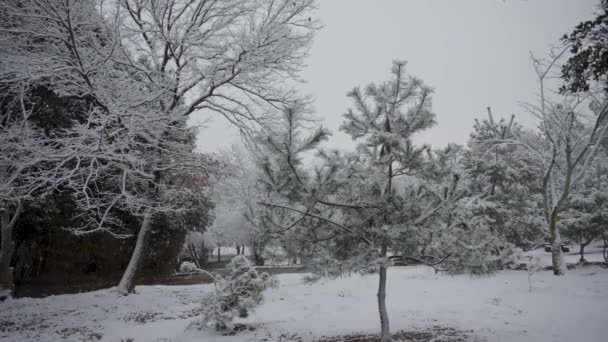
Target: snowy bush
189,267
236,294
474,249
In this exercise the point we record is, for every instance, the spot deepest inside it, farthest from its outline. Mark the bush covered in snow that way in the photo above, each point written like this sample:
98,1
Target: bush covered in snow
236,294
189,267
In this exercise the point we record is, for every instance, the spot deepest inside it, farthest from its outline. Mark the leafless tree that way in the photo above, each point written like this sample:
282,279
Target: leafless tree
569,141
144,67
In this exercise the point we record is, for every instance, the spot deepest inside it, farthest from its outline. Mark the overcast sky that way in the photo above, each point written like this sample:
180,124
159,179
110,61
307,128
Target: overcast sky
474,53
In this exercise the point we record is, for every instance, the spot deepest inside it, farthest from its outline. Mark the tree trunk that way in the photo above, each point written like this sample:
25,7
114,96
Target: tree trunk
256,249
582,249
384,327
557,259
219,256
6,254
194,255
204,261
605,249
258,260
7,248
127,282
238,250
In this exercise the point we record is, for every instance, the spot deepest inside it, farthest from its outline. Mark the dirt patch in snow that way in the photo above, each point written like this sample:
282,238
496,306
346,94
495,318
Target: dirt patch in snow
433,334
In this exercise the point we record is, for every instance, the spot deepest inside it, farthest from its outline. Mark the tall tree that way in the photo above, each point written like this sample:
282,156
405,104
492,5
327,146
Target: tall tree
37,116
585,218
566,146
226,57
508,179
26,156
588,44
144,68
236,195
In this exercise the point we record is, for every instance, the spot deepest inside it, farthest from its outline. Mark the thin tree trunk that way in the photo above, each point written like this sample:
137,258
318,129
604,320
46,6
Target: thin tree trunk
384,326
557,258
7,248
219,254
582,248
238,250
194,255
6,253
204,256
127,282
257,251
605,249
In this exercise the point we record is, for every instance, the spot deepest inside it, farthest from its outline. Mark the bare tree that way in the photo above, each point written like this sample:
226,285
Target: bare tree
225,57
569,143
144,67
235,58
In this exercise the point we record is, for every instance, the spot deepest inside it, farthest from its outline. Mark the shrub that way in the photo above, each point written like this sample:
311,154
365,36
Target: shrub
236,294
189,267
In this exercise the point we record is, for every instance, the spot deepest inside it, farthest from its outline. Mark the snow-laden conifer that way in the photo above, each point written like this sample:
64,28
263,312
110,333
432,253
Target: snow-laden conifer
235,294
389,200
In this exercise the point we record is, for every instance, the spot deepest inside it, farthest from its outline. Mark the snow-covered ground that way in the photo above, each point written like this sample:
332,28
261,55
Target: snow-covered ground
593,253
498,308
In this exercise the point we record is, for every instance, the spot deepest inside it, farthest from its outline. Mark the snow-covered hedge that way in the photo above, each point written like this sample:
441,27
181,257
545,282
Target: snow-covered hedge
189,267
236,294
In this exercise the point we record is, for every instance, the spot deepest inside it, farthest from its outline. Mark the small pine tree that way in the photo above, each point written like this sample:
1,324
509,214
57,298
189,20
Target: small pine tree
235,295
508,179
388,199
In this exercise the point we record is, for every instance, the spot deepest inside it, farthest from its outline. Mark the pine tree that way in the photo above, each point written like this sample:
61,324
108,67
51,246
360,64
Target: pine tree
508,179
236,294
356,209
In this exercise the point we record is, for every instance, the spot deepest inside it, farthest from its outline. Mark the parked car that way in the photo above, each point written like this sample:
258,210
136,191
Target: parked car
565,247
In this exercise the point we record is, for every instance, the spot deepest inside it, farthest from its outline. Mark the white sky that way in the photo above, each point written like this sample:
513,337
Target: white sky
474,53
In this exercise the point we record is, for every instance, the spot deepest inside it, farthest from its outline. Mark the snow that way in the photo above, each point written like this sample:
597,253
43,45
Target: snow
498,308
593,253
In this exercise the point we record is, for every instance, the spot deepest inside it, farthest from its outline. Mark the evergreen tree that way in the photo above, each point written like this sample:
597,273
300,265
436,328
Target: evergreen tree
508,179
357,209
588,44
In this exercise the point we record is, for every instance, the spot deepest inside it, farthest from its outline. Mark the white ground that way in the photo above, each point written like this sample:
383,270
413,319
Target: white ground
499,308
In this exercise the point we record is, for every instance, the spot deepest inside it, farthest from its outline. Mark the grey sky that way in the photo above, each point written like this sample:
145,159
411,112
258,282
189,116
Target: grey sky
474,53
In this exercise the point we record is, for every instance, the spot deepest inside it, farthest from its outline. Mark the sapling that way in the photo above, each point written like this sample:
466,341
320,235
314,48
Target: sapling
236,294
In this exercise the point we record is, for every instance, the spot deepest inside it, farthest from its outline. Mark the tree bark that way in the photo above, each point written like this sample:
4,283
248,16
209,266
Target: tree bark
258,260
7,248
557,259
194,255
204,261
257,250
384,326
219,256
582,245
605,249
127,282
